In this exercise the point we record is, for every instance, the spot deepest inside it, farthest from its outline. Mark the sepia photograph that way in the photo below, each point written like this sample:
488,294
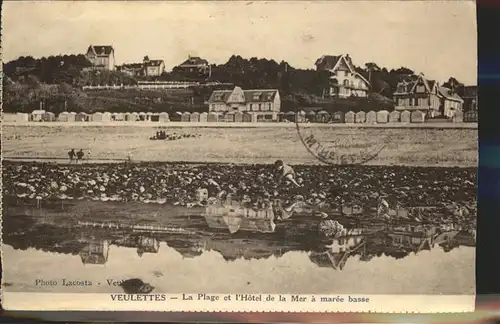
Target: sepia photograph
308,148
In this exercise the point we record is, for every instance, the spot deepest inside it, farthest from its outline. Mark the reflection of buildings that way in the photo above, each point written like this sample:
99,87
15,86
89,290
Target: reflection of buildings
232,249
236,217
336,254
147,245
414,238
187,247
95,252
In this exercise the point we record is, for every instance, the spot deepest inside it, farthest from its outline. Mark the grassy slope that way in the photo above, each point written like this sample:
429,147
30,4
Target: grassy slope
419,147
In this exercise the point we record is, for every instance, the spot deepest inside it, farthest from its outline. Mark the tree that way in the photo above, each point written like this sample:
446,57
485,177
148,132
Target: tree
371,67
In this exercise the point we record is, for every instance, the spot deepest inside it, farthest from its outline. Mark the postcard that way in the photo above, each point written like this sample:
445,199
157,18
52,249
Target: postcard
239,156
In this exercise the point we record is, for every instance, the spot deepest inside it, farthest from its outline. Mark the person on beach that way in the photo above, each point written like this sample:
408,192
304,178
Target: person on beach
71,155
285,171
80,155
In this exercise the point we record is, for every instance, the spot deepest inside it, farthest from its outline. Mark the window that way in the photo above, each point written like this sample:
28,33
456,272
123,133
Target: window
420,88
346,83
346,73
251,106
260,107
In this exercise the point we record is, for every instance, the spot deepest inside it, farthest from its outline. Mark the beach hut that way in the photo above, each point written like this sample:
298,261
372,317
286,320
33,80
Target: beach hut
458,117
248,118
290,116
405,116
142,116
71,116
119,116
131,116
106,116
203,117
382,117
350,117
301,117
238,117
37,115
394,116
195,117
97,117
177,116
212,117
229,117
22,117
155,117
63,117
311,116
9,117
360,117
417,116
186,116
149,116
371,117
126,116
470,116
49,116
163,117
322,117
338,117
81,117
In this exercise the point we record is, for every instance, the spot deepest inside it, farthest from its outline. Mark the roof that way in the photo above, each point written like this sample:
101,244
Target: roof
194,61
102,49
153,63
132,66
254,95
446,92
409,85
330,61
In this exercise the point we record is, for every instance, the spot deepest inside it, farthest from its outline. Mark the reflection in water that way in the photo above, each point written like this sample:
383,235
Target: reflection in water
95,252
235,217
230,228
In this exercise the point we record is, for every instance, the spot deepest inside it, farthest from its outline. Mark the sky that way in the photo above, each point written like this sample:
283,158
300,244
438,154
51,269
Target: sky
437,38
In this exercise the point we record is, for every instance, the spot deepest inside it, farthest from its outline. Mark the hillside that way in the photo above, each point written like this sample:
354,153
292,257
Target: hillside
55,84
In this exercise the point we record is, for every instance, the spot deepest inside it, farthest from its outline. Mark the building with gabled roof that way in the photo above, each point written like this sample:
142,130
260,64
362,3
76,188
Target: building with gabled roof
194,64
265,104
450,102
146,68
420,93
101,56
345,81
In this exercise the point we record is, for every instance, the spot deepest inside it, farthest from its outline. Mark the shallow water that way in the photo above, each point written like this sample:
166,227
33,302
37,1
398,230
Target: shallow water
228,250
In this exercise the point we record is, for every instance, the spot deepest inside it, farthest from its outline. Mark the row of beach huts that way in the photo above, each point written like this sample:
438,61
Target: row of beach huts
350,117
